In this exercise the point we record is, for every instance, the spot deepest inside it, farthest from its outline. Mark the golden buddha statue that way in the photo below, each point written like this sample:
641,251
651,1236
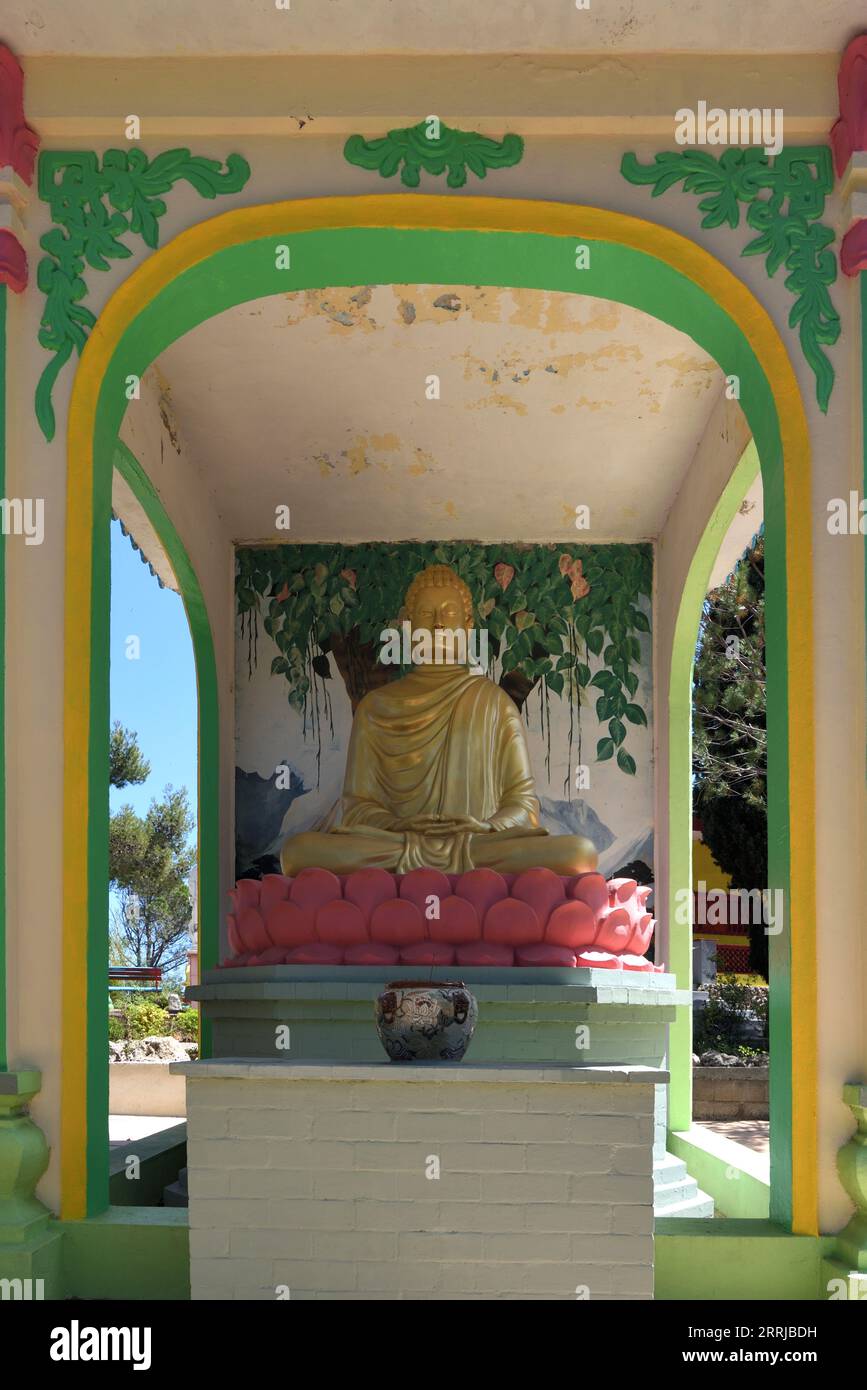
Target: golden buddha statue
438,771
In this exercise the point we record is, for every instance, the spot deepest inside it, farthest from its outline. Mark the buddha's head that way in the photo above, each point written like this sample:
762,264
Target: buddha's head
439,602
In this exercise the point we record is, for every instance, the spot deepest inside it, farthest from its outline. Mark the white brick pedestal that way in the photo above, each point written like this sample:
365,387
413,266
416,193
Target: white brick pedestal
452,1181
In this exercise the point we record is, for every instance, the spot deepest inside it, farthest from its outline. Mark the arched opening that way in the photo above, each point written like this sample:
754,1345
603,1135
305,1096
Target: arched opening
243,256
156,833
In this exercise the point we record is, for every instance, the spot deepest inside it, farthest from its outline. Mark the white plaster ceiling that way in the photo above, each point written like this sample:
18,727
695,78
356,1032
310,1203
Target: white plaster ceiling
317,400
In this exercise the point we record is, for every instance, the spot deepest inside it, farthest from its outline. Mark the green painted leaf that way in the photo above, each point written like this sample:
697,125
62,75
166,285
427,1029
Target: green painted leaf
604,750
617,730
635,714
626,762
603,680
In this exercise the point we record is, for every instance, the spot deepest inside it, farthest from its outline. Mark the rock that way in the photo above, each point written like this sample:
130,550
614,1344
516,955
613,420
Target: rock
155,1049
174,1005
720,1059
115,1051
696,1061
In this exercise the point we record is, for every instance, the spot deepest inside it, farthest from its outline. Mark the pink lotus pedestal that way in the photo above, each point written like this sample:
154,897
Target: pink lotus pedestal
537,919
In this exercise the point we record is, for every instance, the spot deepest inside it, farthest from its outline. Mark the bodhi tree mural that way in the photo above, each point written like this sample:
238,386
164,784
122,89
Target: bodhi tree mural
548,611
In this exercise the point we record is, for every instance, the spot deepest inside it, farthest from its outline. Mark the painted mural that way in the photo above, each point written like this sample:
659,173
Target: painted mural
568,639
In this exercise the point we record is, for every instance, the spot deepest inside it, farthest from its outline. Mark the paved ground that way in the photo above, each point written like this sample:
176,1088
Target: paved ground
122,1128
753,1134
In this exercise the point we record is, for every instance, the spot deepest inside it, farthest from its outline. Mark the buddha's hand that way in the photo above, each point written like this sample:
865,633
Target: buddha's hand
447,825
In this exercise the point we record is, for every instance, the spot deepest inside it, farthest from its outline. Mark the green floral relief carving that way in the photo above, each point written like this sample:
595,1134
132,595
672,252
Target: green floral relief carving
93,207
784,197
434,148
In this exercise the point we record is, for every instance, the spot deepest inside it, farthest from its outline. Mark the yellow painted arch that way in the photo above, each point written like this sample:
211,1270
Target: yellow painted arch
438,213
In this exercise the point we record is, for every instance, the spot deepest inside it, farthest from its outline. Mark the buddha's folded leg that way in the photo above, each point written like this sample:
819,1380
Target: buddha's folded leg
509,853
342,851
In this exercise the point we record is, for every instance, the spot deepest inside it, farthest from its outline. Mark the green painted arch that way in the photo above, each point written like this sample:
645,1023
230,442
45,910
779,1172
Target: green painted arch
356,255
680,761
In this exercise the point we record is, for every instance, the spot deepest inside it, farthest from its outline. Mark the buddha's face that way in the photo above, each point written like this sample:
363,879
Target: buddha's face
439,609
435,608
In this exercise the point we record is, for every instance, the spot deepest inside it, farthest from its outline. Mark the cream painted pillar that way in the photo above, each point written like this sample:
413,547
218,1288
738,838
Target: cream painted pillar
34,724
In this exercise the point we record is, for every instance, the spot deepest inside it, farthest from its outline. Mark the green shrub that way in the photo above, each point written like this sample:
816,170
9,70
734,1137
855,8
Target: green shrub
730,1003
117,1029
146,1020
185,1025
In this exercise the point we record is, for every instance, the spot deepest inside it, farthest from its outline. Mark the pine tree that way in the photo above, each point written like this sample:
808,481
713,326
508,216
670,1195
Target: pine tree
127,766
729,732
149,865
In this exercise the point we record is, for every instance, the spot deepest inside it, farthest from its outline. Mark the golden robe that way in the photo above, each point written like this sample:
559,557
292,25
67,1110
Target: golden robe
438,776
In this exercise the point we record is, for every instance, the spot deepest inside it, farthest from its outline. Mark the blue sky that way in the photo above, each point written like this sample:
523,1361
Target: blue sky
155,695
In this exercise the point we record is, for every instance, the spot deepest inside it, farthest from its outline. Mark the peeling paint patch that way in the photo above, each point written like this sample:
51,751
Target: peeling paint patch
345,306
406,310
386,442
166,408
361,455
562,313
498,398
448,301
685,365
422,463
585,403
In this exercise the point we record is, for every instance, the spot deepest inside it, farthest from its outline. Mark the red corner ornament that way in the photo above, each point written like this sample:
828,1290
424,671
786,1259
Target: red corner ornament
18,143
13,262
853,252
849,133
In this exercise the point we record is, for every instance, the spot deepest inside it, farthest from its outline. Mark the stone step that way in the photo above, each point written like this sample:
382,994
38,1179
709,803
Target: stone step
698,1205
675,1193
671,1193
668,1169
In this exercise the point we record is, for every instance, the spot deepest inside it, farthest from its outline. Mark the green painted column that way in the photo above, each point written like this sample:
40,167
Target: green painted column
680,773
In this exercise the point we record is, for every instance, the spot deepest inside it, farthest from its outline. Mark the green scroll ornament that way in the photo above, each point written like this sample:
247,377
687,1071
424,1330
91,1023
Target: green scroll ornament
784,197
434,147
93,207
